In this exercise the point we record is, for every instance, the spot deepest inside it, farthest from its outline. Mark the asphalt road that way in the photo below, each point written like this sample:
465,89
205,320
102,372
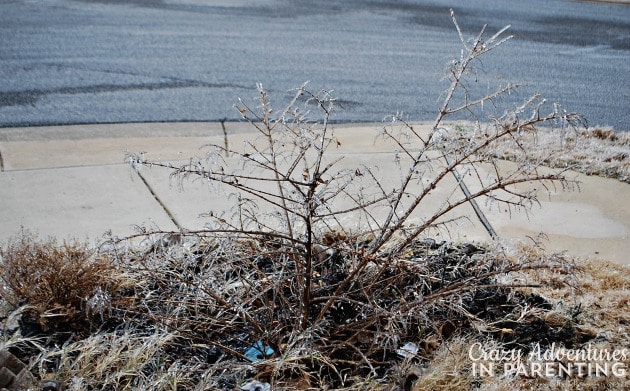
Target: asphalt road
72,62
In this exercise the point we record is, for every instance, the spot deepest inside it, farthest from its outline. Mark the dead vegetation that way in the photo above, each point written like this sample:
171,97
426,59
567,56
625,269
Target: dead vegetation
59,287
197,308
594,310
282,290
594,151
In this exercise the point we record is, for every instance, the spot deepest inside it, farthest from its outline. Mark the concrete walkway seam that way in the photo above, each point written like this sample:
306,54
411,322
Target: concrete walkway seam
159,201
225,138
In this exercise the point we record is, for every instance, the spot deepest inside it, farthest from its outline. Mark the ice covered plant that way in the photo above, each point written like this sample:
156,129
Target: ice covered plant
287,168
291,264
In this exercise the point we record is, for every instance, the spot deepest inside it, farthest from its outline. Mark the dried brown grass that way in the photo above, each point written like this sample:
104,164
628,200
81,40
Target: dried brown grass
59,285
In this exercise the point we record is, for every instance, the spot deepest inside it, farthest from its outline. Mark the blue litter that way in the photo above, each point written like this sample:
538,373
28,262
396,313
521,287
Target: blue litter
258,352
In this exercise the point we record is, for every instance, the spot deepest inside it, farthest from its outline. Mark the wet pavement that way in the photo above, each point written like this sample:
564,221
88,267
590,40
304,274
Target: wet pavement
76,62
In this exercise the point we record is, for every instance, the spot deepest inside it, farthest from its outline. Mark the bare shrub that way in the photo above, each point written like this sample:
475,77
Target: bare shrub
291,170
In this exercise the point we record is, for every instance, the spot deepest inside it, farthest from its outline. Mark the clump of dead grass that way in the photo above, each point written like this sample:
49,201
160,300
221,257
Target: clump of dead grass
449,369
58,286
605,291
123,359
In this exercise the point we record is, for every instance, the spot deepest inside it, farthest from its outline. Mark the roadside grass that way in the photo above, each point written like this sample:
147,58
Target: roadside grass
593,151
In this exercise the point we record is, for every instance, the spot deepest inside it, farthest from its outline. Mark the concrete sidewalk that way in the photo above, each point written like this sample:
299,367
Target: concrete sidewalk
73,182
